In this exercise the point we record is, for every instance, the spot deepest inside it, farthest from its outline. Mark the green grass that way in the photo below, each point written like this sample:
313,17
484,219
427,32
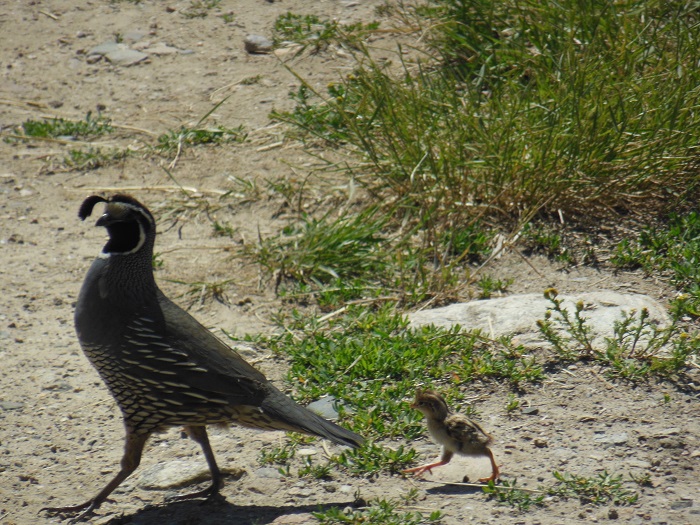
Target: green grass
512,109
380,511
372,361
176,140
600,490
93,158
311,31
672,250
90,127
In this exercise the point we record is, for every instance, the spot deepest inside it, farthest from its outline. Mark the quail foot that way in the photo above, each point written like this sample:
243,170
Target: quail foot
163,368
457,434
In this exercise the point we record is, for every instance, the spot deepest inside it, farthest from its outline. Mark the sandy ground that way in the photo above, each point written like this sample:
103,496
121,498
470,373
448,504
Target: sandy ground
60,432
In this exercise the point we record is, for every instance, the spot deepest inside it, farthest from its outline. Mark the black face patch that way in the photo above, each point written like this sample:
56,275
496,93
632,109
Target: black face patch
124,237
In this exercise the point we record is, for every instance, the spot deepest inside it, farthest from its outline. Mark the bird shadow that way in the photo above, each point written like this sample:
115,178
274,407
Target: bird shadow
216,513
454,489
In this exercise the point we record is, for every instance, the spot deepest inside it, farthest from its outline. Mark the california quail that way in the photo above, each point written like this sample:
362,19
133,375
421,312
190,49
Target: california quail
162,366
456,433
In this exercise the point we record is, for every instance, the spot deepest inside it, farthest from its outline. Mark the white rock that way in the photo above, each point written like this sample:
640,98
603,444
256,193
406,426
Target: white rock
517,315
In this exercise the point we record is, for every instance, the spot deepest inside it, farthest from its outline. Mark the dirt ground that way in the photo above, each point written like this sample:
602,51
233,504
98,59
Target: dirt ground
61,433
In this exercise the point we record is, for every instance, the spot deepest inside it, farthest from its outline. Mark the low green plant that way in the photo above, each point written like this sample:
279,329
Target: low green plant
488,285
378,512
545,239
316,471
571,336
638,348
372,459
600,490
93,158
277,455
310,30
199,8
370,359
673,250
90,127
509,493
176,140
512,404
325,250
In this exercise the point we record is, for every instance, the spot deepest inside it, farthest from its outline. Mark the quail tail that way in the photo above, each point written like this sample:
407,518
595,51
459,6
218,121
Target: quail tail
291,416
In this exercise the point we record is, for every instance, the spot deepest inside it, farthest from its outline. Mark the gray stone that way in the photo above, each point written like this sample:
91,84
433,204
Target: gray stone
125,57
517,315
106,47
530,411
325,407
257,44
133,36
612,439
174,474
11,405
268,472
161,49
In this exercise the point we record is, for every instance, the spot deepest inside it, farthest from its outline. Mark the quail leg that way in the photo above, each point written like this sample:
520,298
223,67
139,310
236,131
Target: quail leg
495,472
130,461
444,460
199,434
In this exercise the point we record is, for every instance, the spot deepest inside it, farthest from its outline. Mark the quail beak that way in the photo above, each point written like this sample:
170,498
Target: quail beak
105,220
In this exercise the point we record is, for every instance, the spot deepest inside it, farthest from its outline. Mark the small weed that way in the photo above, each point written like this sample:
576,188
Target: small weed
512,404
379,512
570,336
228,17
201,291
546,240
157,261
643,480
509,493
323,250
250,81
309,30
311,470
372,459
637,349
58,127
176,140
93,158
605,488
223,229
199,8
488,285
277,455
674,250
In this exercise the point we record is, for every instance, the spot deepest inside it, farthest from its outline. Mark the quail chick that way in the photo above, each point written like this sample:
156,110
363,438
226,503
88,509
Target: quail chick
457,434
164,368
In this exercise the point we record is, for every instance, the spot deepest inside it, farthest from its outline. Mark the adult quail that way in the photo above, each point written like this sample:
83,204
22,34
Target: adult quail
162,366
456,433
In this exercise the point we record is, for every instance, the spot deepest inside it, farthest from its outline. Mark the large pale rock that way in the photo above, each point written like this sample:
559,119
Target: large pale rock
517,315
179,473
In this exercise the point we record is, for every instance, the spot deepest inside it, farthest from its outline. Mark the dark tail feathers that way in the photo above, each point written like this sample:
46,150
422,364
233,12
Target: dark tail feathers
299,419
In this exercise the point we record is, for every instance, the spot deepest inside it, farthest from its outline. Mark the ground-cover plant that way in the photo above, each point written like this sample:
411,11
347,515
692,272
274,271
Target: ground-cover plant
509,493
380,512
371,360
637,349
605,488
176,140
310,30
673,250
90,127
